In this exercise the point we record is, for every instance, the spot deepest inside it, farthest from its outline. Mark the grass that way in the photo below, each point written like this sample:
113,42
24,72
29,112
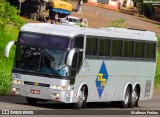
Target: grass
157,76
9,33
119,23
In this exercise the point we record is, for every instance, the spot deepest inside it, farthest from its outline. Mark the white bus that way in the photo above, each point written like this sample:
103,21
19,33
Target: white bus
78,65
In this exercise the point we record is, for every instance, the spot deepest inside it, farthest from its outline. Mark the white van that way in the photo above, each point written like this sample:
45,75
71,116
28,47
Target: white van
71,20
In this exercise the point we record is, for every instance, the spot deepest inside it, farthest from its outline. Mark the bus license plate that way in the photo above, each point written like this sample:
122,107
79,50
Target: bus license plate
34,91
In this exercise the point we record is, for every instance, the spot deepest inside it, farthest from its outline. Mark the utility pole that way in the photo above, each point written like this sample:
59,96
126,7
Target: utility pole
20,2
80,6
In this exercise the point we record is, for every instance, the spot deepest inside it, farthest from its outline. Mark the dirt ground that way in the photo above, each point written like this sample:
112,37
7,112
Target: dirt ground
100,17
156,91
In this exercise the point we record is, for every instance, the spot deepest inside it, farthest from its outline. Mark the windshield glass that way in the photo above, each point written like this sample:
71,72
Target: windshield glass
44,41
40,60
73,20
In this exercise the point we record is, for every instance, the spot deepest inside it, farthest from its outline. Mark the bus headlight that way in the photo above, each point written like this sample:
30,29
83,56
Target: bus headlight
16,82
56,87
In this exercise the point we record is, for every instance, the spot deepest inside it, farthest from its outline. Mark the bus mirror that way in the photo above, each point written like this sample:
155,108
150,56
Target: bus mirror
70,57
8,47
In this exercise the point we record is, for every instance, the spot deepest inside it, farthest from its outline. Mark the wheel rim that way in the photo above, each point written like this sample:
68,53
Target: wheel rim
81,97
126,98
134,95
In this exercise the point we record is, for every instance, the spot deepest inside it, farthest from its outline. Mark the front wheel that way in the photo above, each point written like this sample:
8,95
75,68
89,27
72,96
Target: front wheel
82,97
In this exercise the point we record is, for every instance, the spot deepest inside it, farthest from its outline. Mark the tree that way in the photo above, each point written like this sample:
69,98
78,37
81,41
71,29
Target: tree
146,9
8,15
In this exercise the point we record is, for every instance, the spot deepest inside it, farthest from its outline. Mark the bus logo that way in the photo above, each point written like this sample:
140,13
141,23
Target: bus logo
101,79
36,84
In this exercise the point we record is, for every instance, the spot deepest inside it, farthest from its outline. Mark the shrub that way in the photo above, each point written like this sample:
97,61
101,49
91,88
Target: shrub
9,24
148,10
118,23
8,15
66,0
9,33
157,76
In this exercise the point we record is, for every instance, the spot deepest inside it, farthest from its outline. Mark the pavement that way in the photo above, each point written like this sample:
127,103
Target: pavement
102,17
129,11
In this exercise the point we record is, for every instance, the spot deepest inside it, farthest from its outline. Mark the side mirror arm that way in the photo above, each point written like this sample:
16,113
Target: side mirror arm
8,47
70,57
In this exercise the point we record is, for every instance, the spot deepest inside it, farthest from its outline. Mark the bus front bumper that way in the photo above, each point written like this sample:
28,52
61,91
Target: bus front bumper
44,93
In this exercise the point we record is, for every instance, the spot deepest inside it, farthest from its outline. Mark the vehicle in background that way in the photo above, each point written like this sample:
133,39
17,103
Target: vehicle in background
37,9
59,7
71,20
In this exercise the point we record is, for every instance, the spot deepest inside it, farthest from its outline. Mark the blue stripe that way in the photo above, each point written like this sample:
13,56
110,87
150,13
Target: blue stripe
60,11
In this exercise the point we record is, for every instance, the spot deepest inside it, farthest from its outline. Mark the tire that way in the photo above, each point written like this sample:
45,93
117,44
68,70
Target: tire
125,103
82,97
31,101
134,98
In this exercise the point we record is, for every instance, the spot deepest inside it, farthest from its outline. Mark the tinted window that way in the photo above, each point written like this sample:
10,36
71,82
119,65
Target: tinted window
91,46
117,48
78,42
46,41
150,50
104,47
128,49
139,49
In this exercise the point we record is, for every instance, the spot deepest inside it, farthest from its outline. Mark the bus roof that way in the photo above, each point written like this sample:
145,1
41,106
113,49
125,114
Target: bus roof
71,31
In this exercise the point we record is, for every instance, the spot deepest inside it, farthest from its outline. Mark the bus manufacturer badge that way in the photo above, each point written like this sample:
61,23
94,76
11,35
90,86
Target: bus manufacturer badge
36,84
101,79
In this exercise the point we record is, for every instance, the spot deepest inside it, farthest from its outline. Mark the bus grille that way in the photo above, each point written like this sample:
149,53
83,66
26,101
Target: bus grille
36,84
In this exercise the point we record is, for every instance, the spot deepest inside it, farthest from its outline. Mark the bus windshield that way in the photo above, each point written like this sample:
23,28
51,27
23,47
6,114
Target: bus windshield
40,60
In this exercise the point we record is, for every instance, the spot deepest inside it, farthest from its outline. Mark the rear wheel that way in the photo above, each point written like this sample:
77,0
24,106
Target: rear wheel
125,102
134,98
31,101
82,97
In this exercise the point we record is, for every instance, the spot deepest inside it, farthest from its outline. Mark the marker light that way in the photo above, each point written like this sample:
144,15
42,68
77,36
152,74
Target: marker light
56,87
16,82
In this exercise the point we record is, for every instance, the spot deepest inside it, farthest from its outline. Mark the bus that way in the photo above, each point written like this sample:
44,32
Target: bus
78,65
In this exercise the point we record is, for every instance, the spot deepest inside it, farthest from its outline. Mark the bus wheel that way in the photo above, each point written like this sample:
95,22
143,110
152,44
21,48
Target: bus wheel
127,96
82,97
134,98
31,101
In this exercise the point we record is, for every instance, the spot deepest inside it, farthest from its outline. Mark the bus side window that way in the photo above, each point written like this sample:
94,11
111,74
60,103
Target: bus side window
78,42
150,50
104,47
92,46
128,48
139,49
117,48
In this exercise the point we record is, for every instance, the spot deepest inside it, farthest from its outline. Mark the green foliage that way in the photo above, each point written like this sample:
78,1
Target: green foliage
9,24
81,25
66,0
157,76
9,33
8,15
159,44
118,23
146,9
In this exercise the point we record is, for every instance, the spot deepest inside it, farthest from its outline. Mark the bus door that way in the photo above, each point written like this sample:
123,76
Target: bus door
75,66
77,56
